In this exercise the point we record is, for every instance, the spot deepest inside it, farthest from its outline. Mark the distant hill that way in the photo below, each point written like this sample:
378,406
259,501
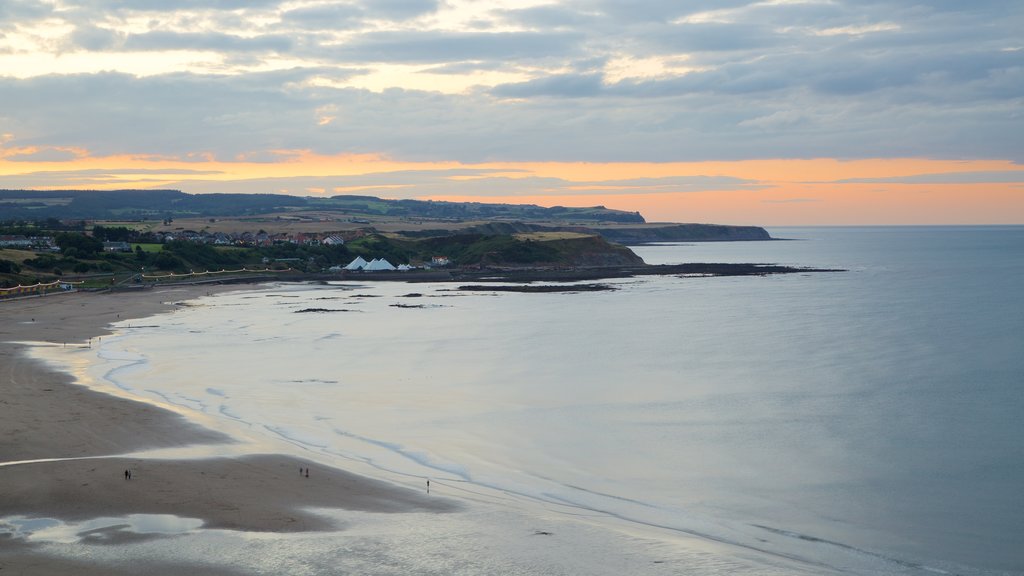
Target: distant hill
159,204
658,232
411,218
626,233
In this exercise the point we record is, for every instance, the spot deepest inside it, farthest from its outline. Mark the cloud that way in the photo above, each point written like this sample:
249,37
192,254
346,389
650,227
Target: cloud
171,5
44,155
790,200
567,85
483,182
550,16
214,41
95,178
15,10
94,38
677,184
716,36
400,9
999,177
325,16
725,80
438,47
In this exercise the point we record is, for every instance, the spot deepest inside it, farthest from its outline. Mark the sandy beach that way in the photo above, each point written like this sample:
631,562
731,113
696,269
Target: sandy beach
63,447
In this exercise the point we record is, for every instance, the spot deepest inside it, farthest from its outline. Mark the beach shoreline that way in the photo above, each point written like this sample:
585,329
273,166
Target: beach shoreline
64,448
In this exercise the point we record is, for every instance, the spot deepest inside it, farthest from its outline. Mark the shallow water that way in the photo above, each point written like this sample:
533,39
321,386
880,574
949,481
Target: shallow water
96,530
866,420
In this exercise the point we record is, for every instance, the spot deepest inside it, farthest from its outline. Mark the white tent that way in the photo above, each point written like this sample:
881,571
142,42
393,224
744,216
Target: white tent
376,265
357,264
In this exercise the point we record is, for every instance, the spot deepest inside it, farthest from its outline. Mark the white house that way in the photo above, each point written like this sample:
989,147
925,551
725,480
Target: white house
117,247
333,240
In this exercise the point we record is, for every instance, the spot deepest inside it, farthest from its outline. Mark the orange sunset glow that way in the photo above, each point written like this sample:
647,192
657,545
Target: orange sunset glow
771,192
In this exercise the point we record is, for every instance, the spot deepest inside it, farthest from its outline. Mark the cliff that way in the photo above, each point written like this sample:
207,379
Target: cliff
633,235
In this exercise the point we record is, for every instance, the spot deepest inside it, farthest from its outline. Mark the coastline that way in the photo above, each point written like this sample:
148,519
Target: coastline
64,448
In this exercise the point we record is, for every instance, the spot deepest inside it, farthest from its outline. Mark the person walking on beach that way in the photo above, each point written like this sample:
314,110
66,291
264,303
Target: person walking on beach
126,474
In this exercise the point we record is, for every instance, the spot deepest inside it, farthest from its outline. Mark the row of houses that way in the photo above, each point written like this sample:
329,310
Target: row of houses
18,241
254,238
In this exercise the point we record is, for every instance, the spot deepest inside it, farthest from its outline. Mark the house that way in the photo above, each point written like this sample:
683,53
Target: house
117,247
439,261
333,240
15,241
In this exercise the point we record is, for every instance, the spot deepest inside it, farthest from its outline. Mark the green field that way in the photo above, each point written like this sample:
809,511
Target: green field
148,247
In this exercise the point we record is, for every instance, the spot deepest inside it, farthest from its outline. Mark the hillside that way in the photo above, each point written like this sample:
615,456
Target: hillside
164,204
633,235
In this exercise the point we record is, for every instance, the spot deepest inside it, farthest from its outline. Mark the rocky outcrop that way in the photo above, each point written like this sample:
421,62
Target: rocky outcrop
633,235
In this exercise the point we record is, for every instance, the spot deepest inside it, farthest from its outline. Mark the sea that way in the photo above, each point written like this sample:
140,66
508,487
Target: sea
862,421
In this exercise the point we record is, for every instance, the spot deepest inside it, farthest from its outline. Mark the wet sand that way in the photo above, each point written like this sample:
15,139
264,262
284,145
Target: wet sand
44,415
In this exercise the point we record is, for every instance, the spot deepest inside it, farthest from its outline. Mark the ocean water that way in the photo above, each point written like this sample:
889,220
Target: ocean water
866,421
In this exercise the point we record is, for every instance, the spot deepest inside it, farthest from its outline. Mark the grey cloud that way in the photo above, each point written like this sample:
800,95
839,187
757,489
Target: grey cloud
90,172
11,10
325,16
178,115
1000,177
456,68
717,37
735,80
400,9
853,74
550,16
171,5
455,47
399,184
94,38
812,15
44,155
569,85
728,80
419,183
943,85
172,114
88,178
661,10
206,41
684,183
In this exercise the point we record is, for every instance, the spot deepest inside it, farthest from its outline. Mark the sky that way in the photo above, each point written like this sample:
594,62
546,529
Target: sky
776,112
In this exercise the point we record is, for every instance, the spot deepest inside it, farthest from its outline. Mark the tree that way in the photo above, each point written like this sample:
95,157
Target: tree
112,233
167,261
83,244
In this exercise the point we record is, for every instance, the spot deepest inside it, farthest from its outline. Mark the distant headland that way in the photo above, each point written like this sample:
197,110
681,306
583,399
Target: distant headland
124,237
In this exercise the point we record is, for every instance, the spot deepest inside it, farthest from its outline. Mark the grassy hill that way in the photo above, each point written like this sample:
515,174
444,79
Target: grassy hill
163,204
